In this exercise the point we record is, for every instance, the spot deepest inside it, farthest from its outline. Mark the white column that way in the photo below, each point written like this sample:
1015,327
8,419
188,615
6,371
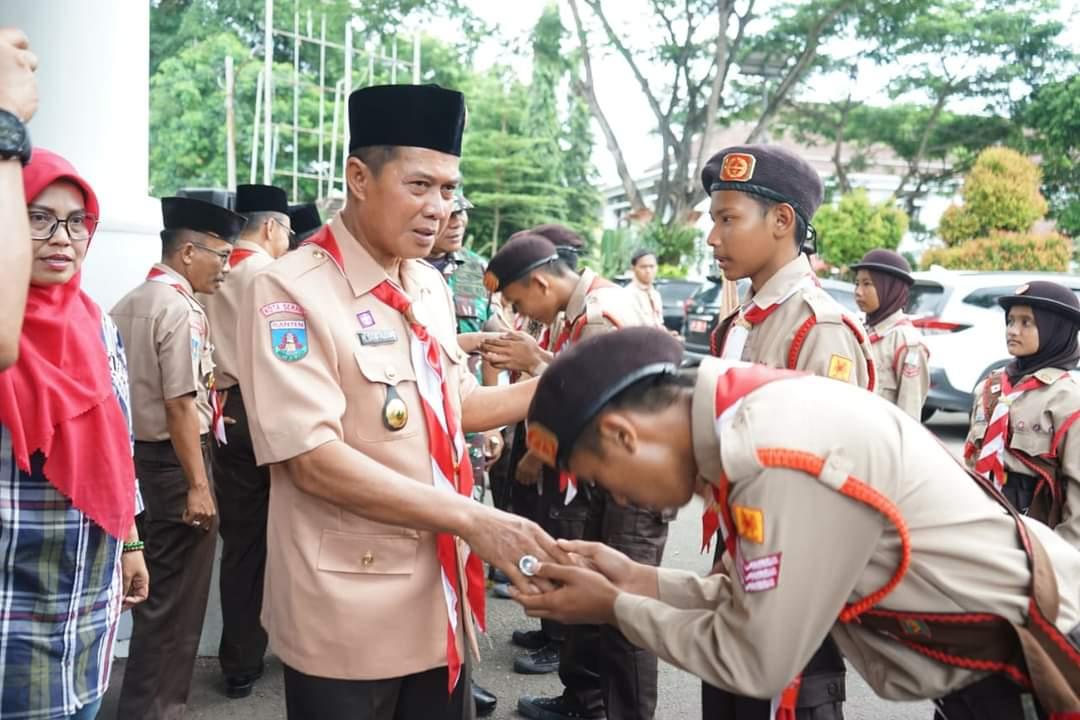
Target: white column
93,80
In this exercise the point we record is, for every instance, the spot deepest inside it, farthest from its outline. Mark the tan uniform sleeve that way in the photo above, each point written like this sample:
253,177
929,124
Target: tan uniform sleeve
753,639
595,326
179,350
977,429
1068,452
831,350
913,379
293,407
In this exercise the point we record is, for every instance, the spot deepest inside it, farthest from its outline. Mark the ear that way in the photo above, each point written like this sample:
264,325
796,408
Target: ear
359,178
617,433
542,282
782,220
187,253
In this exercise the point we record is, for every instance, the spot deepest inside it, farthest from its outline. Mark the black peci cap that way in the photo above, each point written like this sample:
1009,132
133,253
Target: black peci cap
305,220
518,257
261,198
886,261
586,377
425,116
181,213
1045,295
768,171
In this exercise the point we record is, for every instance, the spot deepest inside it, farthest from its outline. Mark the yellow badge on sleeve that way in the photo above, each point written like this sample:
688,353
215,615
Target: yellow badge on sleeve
542,443
840,368
749,523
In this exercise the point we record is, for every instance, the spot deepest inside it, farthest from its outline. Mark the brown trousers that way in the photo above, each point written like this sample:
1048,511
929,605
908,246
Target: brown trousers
180,559
598,666
243,496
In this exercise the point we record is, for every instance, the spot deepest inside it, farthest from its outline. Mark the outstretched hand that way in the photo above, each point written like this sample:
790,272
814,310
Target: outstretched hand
581,596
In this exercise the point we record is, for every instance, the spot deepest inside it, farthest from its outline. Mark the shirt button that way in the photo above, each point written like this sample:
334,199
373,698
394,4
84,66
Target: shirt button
368,559
318,255
391,373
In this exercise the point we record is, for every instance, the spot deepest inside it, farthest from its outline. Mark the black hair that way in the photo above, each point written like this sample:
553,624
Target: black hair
800,226
640,253
568,255
375,156
556,266
651,394
173,240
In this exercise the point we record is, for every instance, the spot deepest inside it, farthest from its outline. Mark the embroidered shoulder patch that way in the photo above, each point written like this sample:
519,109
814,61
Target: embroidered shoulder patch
288,339
542,443
749,523
276,308
912,362
840,368
760,574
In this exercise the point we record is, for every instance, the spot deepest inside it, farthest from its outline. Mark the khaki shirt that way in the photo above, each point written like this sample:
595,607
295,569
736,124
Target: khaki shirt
223,309
812,549
1044,424
345,597
831,348
167,340
649,302
596,307
902,362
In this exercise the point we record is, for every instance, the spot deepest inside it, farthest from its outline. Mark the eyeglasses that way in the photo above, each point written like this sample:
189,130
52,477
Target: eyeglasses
79,226
223,255
286,228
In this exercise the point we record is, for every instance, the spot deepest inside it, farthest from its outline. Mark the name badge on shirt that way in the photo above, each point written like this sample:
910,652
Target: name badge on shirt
377,337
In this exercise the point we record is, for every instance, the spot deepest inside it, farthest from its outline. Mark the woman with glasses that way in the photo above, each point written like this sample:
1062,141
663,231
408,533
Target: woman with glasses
70,556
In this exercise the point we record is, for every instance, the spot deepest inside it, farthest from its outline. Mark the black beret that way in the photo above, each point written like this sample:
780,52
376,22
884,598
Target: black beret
181,213
1047,295
305,220
586,377
261,198
460,203
769,171
888,262
425,116
638,254
514,260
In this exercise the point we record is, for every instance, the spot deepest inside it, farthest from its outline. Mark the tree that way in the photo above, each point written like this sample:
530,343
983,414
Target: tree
855,226
1053,112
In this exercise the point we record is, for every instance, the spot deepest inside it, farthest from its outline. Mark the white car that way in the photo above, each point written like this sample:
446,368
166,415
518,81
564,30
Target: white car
964,327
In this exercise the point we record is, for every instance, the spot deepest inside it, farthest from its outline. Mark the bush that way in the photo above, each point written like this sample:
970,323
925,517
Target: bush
1000,193
854,226
957,226
1005,251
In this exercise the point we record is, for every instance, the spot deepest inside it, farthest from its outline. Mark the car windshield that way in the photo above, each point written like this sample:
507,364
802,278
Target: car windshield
676,291
708,294
925,299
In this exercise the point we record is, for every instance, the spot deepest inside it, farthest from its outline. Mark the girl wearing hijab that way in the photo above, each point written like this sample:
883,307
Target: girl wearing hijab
882,281
70,558
1024,432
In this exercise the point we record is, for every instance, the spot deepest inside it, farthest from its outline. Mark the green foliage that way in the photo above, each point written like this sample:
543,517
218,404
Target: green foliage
1000,193
673,244
1005,251
675,272
613,255
854,226
1053,112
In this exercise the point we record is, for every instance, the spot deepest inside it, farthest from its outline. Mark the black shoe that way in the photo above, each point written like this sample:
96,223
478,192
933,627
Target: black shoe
556,708
530,639
484,699
543,661
240,686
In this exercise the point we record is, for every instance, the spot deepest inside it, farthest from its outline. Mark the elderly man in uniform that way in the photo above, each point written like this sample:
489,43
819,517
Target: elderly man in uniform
762,201
932,584
602,672
166,335
305,221
359,399
242,487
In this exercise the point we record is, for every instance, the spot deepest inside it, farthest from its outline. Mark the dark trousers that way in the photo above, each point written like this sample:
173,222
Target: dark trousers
992,698
243,496
180,559
821,695
598,666
421,696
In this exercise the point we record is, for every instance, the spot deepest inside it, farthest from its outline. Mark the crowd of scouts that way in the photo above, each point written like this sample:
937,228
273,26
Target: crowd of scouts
330,399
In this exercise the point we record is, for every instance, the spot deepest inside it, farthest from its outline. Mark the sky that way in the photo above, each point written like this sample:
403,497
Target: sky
619,95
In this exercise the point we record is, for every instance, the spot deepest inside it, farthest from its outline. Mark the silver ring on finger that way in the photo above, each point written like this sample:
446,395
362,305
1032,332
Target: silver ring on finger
528,564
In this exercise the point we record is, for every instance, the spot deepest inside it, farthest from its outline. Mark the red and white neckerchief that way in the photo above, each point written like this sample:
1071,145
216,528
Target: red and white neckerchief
750,314
734,383
991,460
876,337
450,467
239,255
217,409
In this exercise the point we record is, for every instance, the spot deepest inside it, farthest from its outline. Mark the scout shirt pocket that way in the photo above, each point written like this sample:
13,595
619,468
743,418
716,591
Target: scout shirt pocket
1030,436
391,383
391,554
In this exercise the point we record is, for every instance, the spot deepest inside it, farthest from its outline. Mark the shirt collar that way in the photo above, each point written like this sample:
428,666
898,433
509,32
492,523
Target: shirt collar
890,322
355,262
252,246
703,424
781,283
176,278
576,306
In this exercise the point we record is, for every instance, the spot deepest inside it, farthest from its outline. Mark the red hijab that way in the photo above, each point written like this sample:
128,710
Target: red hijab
58,399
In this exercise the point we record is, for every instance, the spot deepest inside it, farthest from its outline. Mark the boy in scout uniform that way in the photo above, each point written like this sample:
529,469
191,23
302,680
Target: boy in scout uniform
1025,434
242,487
931,588
882,281
762,201
602,672
166,335
358,398
650,304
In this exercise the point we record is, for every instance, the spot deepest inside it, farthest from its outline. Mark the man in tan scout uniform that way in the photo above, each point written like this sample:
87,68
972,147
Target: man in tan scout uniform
358,397
167,339
242,487
603,674
762,201
912,565
642,287
1025,430
882,280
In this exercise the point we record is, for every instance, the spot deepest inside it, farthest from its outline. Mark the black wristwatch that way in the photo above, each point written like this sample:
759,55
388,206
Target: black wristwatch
14,138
